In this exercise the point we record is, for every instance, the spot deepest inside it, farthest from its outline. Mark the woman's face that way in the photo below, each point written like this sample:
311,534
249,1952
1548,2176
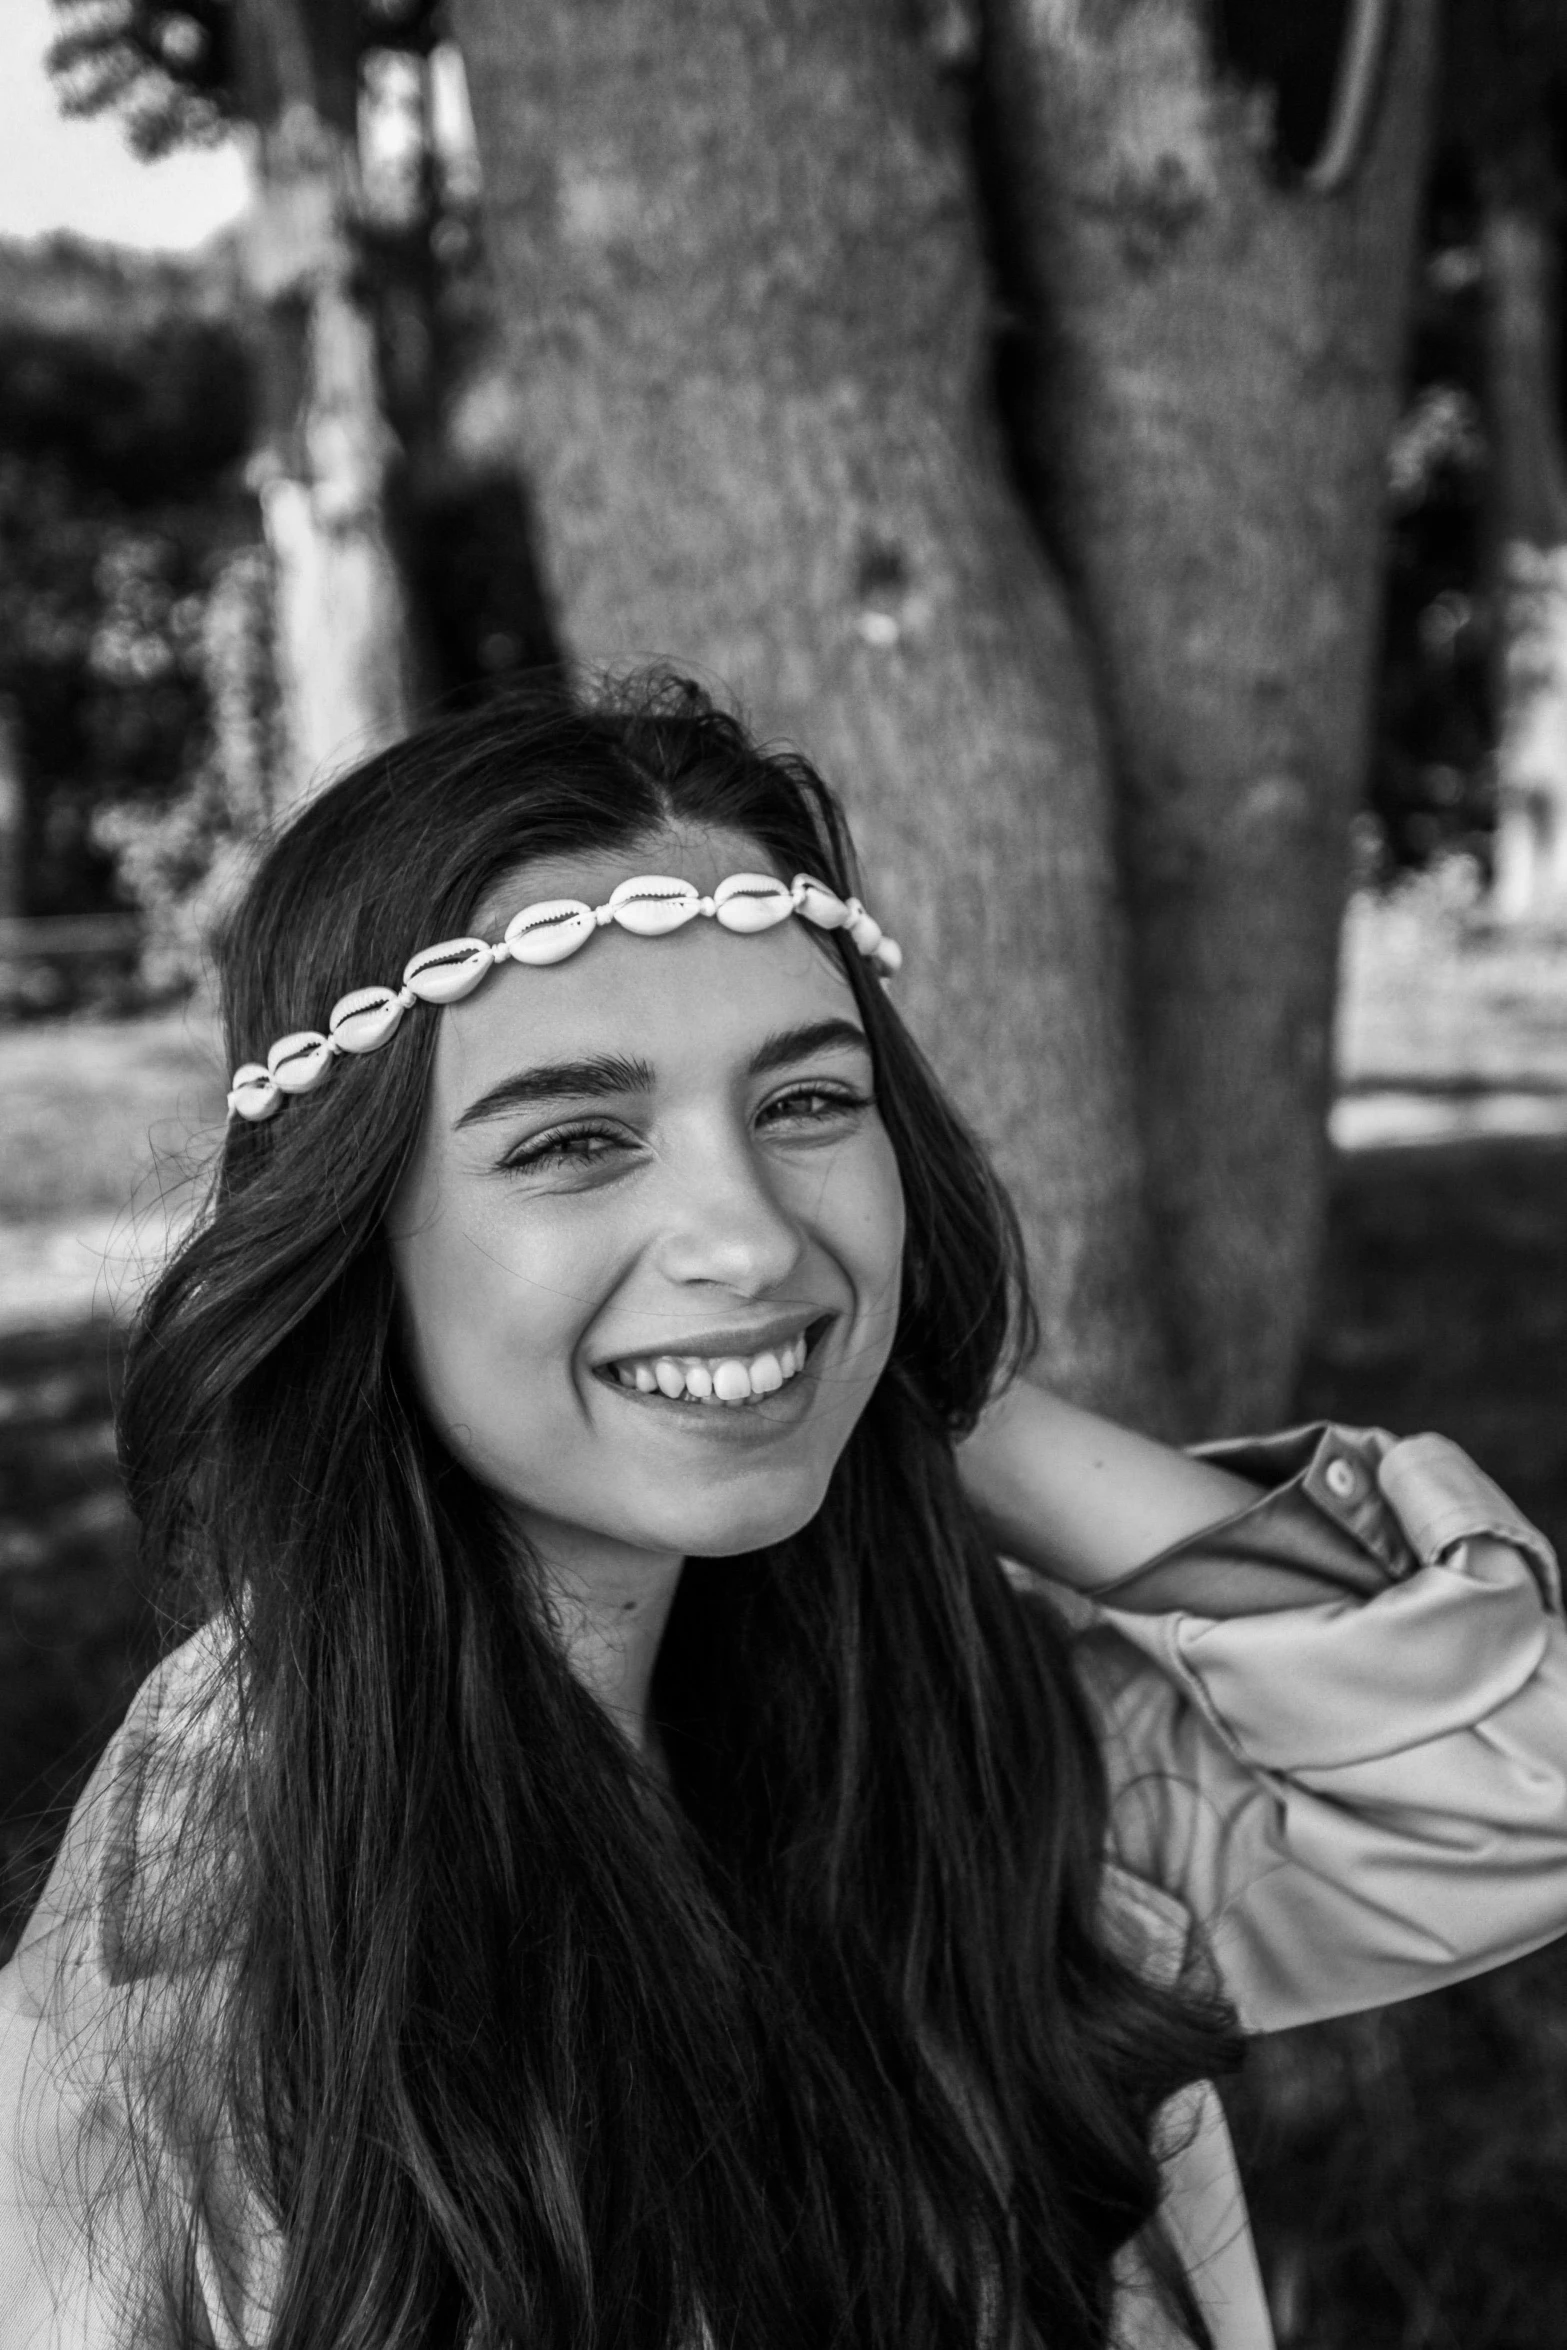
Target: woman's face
657,1166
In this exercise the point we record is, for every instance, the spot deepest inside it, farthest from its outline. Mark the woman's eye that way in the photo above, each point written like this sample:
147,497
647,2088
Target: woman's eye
576,1147
815,1105
588,1149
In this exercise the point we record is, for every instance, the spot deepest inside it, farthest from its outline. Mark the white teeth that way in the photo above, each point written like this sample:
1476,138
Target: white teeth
728,1380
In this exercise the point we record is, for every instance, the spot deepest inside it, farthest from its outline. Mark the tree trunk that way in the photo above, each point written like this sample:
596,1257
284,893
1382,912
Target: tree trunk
13,813
1530,491
1216,369
342,626
737,249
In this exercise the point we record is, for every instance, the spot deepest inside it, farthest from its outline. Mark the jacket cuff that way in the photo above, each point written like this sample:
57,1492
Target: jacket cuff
1345,1512
1441,1499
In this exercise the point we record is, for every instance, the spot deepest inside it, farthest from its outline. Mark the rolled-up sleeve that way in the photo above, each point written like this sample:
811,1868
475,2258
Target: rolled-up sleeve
1336,1725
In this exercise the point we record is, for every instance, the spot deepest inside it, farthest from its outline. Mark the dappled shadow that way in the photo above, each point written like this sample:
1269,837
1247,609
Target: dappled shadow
1407,2170
76,1632
1444,1305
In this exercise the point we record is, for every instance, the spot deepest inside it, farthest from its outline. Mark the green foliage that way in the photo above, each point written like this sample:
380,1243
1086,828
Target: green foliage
1504,76
182,860
1432,786
169,71
120,496
175,75
1502,131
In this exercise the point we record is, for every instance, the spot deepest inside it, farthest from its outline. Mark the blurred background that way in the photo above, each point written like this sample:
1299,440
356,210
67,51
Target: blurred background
1127,447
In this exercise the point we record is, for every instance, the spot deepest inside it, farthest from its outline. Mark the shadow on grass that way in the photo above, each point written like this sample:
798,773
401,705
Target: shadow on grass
76,1632
1407,2170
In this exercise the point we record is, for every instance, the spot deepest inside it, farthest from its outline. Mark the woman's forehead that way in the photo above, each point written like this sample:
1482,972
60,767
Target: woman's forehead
699,1001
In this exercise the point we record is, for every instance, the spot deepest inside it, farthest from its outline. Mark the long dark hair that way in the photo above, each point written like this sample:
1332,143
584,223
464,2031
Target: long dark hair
825,2044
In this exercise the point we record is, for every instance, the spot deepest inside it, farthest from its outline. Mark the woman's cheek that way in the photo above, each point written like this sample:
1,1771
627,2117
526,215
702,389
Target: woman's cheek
470,1301
874,1236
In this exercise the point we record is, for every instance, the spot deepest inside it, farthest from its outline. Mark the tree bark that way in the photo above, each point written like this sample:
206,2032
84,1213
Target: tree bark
1214,377
13,813
342,633
1530,494
738,250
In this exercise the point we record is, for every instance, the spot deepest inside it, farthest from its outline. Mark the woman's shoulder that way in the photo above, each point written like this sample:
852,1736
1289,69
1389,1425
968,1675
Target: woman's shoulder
101,2116
126,1889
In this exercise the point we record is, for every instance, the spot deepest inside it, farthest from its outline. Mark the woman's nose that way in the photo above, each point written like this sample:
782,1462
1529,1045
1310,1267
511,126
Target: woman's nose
726,1225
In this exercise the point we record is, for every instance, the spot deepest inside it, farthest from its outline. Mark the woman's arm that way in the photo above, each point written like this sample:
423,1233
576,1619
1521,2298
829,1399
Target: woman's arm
1331,1680
1079,1499
1358,1800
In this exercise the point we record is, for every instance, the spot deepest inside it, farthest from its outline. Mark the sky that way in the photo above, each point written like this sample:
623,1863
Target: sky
81,176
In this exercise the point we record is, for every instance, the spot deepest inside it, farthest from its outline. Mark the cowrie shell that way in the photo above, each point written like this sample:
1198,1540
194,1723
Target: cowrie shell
443,974
652,903
818,903
298,1062
550,931
364,1019
752,901
254,1094
648,904
865,932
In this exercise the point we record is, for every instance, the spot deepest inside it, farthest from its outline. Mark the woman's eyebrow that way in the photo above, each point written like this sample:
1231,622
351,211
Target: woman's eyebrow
557,1081
786,1045
614,1073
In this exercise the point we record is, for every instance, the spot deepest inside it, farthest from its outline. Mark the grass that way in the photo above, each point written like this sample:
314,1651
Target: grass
107,1126
1408,2169
76,1633
1433,998
98,1110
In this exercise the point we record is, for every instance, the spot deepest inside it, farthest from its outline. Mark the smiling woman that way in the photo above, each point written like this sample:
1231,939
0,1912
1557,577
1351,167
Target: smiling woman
621,1859
687,1176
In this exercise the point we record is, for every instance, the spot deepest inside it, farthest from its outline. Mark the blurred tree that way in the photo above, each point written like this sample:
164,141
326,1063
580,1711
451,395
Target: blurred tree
12,807
741,263
1208,225
1104,647
181,858
746,279
1507,110
1432,784
291,69
343,645
124,416
399,532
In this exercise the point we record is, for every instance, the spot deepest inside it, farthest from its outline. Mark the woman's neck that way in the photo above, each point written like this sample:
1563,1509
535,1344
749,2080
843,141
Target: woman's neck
612,1603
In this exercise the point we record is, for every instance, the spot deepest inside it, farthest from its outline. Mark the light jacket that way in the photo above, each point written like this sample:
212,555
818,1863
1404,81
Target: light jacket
1336,1732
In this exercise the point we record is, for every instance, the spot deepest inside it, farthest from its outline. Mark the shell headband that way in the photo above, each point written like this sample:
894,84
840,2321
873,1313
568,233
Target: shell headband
648,905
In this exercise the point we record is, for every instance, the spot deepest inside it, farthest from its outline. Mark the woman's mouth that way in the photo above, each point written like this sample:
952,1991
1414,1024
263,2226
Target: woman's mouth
714,1381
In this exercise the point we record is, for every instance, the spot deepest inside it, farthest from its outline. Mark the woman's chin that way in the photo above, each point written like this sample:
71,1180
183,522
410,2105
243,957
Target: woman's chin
743,1524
